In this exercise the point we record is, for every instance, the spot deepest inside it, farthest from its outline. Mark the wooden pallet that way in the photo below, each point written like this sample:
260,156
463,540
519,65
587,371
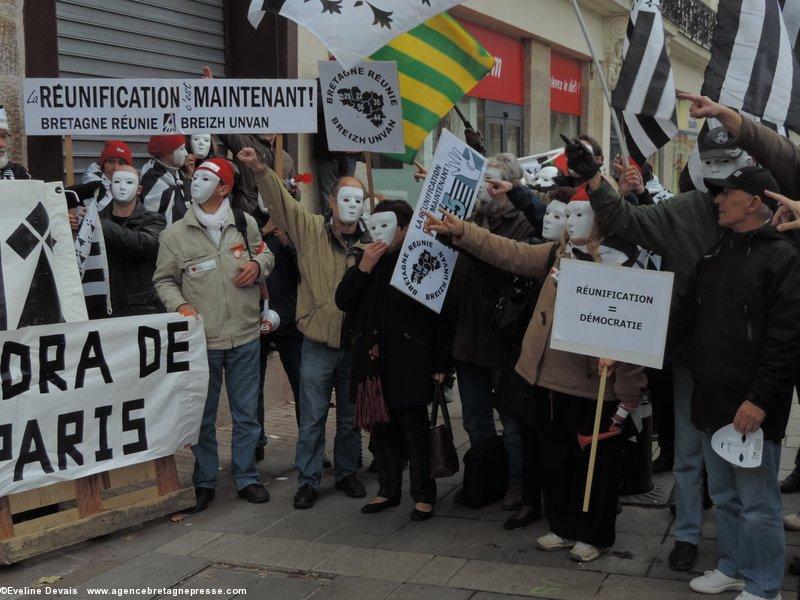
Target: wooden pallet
90,507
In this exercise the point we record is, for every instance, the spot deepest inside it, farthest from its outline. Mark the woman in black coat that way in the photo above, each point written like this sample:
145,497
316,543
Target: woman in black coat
401,350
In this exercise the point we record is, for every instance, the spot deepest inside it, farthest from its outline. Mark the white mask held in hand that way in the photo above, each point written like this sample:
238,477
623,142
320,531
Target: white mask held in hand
351,204
179,156
204,182
200,144
483,191
555,220
124,185
580,217
382,227
741,450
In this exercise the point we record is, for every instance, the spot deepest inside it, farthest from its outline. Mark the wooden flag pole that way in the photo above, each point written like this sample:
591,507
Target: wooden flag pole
69,159
279,156
595,433
623,145
370,186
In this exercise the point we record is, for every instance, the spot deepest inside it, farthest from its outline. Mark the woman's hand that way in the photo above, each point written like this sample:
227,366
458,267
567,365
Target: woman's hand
449,224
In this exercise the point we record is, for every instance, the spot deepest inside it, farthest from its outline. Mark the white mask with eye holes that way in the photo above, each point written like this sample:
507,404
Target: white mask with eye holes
350,201
741,450
204,182
722,168
483,192
200,144
580,221
124,185
555,220
382,227
179,156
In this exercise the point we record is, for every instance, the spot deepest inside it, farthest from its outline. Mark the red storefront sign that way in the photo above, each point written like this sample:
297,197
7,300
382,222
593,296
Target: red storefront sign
565,84
504,82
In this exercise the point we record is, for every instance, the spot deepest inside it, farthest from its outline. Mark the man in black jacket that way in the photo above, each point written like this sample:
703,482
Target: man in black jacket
742,310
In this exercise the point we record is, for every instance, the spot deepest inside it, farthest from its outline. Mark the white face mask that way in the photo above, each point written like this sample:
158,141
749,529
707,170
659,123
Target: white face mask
721,168
545,179
351,204
483,192
200,144
580,220
738,449
179,156
124,185
555,220
382,227
204,182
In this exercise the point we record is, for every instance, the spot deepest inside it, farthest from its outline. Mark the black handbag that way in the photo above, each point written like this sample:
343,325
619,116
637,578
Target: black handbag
443,456
485,473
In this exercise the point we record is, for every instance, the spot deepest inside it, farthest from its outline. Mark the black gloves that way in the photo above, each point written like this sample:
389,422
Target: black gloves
580,159
474,140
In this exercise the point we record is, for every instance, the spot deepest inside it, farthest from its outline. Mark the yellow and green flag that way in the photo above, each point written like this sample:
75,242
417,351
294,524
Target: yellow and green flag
438,63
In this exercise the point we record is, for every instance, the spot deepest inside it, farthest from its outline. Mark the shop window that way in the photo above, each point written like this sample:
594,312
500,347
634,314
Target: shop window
569,125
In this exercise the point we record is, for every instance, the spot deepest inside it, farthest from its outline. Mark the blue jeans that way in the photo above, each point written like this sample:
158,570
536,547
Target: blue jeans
688,465
241,380
749,516
321,369
475,385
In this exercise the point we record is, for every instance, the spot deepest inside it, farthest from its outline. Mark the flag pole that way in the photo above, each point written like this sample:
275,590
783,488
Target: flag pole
279,156
70,161
370,186
587,492
623,146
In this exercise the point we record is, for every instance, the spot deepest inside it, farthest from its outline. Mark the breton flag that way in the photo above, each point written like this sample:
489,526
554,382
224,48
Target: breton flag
352,30
90,248
645,92
438,62
753,67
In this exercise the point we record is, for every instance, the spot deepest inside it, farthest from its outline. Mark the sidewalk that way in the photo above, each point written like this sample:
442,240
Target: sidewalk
333,551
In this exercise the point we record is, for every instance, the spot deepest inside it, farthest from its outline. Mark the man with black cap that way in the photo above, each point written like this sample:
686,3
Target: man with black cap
741,310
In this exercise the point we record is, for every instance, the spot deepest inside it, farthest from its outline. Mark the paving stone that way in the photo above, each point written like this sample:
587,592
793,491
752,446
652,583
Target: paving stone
360,588
28,572
269,552
129,543
150,570
220,578
642,520
284,587
618,587
376,564
493,596
439,570
416,591
188,543
539,582
367,531
330,511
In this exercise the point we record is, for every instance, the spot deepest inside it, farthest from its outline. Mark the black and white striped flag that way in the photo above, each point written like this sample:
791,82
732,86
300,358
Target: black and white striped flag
645,92
90,248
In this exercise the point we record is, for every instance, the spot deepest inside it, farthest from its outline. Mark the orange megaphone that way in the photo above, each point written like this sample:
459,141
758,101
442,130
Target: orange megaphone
585,440
303,178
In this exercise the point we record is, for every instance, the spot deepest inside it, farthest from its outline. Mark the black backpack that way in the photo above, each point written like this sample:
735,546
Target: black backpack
485,473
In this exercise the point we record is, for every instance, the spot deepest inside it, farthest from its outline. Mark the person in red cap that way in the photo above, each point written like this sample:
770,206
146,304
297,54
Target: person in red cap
165,177
210,264
115,153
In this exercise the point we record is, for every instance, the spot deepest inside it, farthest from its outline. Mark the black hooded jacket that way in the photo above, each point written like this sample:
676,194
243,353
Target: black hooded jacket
742,309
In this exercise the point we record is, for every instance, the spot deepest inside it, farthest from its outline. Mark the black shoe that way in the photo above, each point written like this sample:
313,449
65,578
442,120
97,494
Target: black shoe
794,568
376,507
203,497
523,517
791,484
305,497
663,464
350,485
255,493
683,556
259,453
418,515
326,463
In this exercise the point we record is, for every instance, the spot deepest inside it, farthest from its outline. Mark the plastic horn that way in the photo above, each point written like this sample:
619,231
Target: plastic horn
585,440
303,178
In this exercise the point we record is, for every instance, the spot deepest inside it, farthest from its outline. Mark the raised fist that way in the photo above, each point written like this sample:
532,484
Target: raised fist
580,159
249,158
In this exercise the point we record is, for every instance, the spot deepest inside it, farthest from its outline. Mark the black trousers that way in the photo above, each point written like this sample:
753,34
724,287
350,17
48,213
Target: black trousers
559,420
661,396
531,469
406,435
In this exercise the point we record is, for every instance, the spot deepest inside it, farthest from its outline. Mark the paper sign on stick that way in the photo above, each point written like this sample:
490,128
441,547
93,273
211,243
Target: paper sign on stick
619,313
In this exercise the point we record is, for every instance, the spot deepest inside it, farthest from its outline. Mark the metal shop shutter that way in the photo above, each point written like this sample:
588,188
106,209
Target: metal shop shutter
137,39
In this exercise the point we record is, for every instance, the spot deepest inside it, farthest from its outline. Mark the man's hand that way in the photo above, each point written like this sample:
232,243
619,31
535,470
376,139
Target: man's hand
187,310
608,364
787,216
631,181
76,216
498,188
748,418
189,165
372,254
207,72
474,140
248,273
439,377
449,224
250,159
420,172
579,158
704,107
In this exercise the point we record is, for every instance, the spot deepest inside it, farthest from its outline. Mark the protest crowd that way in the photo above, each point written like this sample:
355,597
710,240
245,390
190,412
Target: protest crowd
211,227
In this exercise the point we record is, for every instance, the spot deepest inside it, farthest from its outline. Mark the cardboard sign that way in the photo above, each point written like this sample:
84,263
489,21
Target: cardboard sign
83,398
612,312
425,266
106,107
362,107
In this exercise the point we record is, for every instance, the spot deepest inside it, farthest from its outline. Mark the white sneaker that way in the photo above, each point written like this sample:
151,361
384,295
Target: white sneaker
715,582
551,541
749,596
582,552
792,522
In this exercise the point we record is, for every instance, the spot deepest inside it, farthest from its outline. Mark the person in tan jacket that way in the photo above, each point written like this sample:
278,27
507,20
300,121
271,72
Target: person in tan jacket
325,250
208,268
565,384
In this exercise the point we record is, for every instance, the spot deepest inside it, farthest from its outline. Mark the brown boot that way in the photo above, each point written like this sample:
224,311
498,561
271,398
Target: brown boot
513,498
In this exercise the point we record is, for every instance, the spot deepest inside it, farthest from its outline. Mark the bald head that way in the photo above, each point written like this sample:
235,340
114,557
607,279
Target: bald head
349,182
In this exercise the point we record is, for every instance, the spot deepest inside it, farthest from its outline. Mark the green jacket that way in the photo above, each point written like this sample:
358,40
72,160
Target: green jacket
191,270
323,256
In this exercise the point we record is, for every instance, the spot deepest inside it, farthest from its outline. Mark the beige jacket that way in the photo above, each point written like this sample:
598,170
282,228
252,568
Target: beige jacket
538,364
192,270
323,256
